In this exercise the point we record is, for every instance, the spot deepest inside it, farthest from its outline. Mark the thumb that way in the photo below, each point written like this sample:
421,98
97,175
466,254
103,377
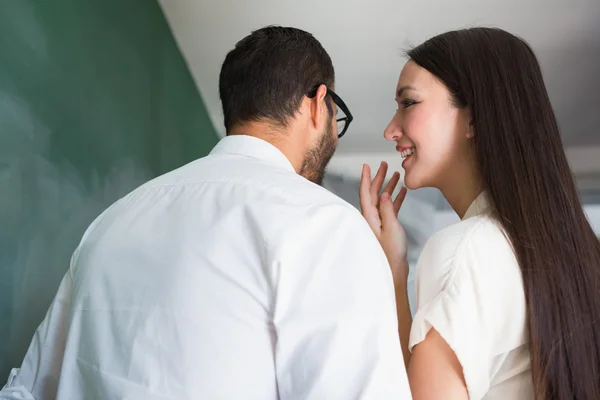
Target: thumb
386,209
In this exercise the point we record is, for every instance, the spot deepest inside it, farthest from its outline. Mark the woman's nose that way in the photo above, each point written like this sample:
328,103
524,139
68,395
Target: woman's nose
393,131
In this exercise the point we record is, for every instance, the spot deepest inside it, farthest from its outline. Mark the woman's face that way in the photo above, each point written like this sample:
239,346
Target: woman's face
432,134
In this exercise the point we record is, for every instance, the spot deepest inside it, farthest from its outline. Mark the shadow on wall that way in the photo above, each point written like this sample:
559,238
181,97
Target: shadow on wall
84,119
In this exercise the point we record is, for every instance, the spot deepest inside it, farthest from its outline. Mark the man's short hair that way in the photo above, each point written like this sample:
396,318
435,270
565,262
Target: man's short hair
267,74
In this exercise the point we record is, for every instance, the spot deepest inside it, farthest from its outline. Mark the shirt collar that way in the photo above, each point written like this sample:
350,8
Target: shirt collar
479,206
254,147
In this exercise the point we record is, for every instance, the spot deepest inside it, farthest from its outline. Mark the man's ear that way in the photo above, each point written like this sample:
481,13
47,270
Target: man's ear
318,107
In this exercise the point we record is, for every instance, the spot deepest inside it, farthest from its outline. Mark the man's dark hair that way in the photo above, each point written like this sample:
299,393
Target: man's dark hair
267,74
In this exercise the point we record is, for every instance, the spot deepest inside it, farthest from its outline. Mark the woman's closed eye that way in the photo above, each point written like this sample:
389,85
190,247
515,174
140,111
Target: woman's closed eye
406,103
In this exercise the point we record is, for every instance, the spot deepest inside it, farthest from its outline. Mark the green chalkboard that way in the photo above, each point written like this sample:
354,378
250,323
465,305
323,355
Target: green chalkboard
95,99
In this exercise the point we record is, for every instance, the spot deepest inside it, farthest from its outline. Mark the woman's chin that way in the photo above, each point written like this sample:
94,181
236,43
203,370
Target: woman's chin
411,182
410,186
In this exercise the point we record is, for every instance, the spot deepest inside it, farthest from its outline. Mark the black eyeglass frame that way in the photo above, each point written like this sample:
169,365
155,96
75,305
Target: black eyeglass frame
340,103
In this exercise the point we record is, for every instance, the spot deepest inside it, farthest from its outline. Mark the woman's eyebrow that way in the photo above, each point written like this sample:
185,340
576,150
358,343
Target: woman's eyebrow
403,89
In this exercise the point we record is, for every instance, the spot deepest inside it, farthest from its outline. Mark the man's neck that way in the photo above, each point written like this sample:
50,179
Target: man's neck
283,141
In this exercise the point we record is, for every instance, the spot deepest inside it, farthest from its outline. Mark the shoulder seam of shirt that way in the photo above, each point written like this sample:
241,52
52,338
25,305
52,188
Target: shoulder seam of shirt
464,242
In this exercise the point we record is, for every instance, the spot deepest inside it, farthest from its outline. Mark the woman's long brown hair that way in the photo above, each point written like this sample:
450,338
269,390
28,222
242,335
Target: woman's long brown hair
534,197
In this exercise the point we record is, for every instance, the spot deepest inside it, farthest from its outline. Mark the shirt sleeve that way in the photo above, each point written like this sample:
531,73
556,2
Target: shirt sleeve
335,314
469,290
38,376
14,392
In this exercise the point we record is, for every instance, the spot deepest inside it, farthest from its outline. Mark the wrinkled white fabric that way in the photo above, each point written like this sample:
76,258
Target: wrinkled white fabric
229,278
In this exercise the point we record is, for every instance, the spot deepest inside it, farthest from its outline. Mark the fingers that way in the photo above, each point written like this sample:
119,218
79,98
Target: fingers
389,188
372,204
400,199
365,188
378,182
368,210
389,210
386,210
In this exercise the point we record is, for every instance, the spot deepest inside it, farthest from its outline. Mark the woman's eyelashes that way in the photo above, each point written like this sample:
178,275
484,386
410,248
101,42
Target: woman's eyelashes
406,103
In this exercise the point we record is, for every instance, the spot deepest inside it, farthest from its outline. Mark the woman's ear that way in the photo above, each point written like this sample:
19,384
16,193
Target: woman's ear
470,130
468,120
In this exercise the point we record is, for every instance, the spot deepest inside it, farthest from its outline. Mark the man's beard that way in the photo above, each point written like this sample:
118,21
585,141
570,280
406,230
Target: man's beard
315,162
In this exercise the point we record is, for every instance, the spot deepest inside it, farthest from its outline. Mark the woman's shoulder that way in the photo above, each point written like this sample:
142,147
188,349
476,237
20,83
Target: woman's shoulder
475,231
476,246
469,288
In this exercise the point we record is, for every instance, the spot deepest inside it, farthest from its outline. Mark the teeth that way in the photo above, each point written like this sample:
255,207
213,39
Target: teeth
407,152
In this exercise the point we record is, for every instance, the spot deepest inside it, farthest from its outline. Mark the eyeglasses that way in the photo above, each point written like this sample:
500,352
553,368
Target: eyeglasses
344,117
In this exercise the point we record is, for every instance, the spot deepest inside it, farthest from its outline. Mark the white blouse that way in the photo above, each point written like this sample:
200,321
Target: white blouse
469,288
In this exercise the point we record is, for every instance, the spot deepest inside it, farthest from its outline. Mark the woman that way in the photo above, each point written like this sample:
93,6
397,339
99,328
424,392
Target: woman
507,299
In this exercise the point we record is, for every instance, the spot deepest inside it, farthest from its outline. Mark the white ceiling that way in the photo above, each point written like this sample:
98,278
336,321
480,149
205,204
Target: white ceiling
365,39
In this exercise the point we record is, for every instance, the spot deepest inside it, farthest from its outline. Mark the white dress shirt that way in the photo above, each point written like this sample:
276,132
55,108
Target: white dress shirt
469,288
230,278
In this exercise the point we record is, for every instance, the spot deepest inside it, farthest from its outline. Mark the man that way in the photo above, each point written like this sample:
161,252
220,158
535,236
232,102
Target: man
236,276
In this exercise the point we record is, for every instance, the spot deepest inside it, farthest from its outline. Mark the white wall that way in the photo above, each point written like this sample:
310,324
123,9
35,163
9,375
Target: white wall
593,214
